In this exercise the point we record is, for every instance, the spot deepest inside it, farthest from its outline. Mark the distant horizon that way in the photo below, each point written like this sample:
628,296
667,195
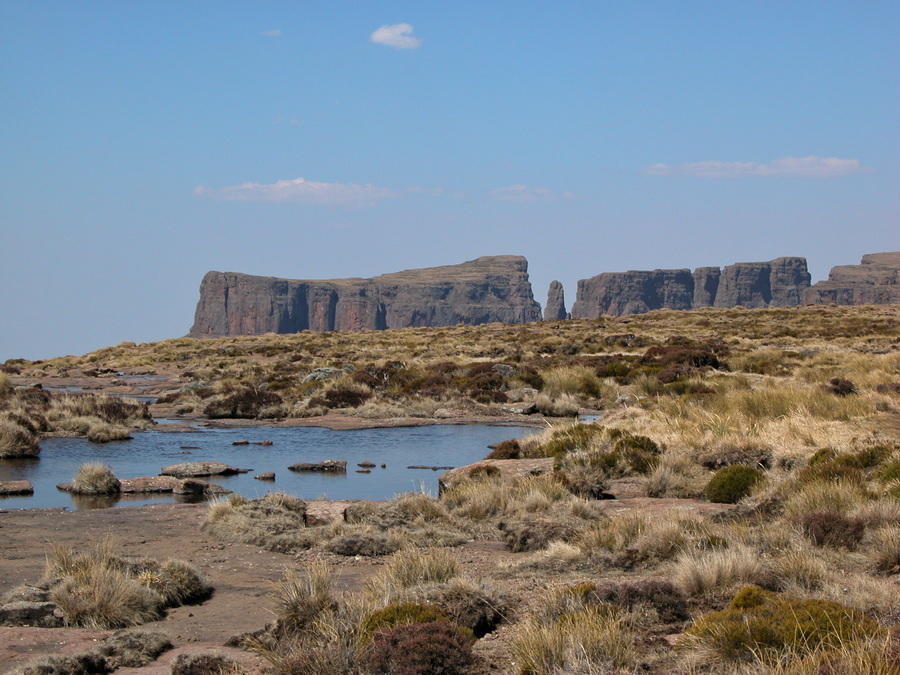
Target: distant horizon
146,143
569,300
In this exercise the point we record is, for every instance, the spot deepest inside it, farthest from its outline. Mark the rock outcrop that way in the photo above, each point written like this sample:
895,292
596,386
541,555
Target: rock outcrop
777,283
555,309
491,288
874,282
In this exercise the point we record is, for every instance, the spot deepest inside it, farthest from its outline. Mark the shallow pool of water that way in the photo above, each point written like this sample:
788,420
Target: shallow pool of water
149,451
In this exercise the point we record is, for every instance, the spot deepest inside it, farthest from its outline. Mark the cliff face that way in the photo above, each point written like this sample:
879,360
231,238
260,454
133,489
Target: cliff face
874,282
491,288
777,283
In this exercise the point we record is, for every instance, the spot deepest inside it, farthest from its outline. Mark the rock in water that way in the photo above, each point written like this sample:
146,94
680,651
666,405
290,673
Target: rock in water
491,288
556,303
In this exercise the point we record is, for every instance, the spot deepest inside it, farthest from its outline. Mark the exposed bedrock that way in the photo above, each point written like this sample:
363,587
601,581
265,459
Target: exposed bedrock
874,282
491,288
777,283
555,309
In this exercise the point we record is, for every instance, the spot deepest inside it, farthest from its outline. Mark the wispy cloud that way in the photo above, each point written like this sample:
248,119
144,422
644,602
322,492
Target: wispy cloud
526,193
803,167
398,35
301,191
272,33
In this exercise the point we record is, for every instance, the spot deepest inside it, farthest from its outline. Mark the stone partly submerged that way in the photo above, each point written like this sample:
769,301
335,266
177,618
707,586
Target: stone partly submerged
200,469
491,288
777,283
876,281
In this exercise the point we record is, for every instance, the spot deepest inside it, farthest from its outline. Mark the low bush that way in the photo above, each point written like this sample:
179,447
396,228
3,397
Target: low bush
729,454
436,648
841,387
534,535
245,403
832,529
95,478
204,663
469,604
771,627
731,484
660,594
506,450
401,613
365,543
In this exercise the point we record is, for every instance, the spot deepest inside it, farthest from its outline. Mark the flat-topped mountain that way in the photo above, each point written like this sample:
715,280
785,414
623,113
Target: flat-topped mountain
490,288
777,283
874,282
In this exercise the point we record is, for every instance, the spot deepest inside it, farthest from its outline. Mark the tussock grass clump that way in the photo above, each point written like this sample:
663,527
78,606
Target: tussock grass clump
205,663
95,478
411,568
300,599
716,571
490,497
589,640
365,542
96,588
772,627
16,440
275,521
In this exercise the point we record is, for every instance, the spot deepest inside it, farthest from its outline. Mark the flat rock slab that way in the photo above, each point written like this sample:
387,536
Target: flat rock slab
329,465
16,487
149,484
326,512
508,469
198,469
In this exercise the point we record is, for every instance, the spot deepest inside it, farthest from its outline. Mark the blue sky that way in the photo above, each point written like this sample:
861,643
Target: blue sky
144,143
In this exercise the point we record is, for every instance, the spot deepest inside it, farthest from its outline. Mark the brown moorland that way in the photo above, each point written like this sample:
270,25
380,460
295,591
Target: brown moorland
735,507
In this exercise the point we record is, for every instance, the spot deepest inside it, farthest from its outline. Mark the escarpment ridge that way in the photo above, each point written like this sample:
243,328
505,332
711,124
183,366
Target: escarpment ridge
497,288
490,288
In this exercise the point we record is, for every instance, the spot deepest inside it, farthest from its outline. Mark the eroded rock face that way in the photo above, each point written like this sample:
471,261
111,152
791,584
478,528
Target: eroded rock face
633,292
491,288
777,283
555,309
876,281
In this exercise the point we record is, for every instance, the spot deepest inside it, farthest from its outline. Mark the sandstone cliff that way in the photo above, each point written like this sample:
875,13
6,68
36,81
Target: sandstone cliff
874,282
491,288
777,283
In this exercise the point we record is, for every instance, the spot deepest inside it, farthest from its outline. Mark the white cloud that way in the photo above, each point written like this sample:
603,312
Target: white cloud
272,33
301,191
804,167
526,193
398,36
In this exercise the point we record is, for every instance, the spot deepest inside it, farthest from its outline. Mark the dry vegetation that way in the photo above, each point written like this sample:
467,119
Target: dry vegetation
791,416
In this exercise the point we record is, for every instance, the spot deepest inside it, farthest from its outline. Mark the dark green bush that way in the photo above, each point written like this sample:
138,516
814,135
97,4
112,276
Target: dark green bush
660,594
731,484
345,398
767,626
641,452
246,403
567,439
363,543
402,613
533,535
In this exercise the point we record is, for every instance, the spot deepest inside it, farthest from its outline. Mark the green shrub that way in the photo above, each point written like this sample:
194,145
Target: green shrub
767,627
571,438
397,614
506,450
731,484
641,452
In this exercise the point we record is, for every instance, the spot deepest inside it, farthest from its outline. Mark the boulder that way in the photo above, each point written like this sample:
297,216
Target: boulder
488,289
192,486
508,468
199,469
329,465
